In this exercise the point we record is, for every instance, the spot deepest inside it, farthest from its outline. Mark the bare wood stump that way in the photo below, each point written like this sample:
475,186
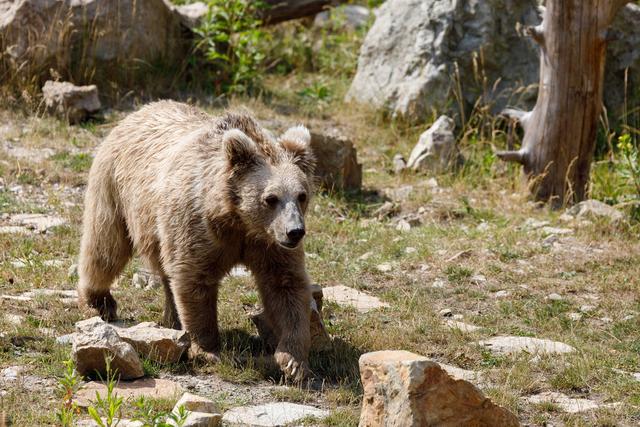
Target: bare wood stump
560,132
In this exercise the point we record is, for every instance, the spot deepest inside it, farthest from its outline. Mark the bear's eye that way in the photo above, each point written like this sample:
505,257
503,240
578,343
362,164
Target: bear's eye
302,197
271,200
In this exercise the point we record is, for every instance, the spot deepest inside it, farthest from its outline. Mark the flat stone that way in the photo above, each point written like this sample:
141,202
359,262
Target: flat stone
575,316
13,229
53,263
14,319
152,388
239,271
554,297
37,222
556,231
271,414
461,326
384,268
406,389
565,403
534,224
478,279
162,345
588,308
462,374
63,293
65,339
595,209
16,298
18,264
501,294
514,345
345,296
446,312
195,403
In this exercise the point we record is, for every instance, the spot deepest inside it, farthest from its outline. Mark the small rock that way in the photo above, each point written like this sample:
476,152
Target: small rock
47,293
90,349
501,294
20,298
37,222
513,345
554,297
201,419
194,403
550,241
13,229
436,149
606,320
478,279
18,264
403,225
399,164
446,312
72,272
593,210
192,13
556,231
365,256
461,326
145,279
384,268
12,373
399,194
483,226
239,271
73,103
564,402
439,284
575,316
151,388
345,296
386,210
14,319
53,263
588,308
534,224
403,388
65,339
410,250
271,414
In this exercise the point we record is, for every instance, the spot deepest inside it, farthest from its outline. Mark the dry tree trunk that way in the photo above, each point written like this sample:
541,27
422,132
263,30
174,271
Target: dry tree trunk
560,132
283,10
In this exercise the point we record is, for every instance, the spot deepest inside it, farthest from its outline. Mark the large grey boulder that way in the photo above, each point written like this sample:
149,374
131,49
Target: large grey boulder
36,35
419,53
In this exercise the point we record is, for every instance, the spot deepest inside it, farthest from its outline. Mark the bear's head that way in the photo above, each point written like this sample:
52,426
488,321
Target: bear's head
272,183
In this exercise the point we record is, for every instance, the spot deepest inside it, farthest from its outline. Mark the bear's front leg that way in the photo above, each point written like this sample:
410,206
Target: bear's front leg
286,295
196,301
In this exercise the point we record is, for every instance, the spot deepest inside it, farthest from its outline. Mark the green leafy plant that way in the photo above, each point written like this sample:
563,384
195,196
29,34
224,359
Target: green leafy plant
68,385
229,37
631,166
108,410
147,414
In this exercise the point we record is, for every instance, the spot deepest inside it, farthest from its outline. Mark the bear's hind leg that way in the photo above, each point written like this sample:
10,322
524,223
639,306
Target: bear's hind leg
105,249
170,318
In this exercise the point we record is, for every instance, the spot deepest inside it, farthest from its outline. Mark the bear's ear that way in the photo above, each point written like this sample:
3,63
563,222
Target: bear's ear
239,149
297,141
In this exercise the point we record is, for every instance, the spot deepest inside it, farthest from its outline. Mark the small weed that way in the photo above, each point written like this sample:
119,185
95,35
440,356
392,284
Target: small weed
108,410
68,385
458,274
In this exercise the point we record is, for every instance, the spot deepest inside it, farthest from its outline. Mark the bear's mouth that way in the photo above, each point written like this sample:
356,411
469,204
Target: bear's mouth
289,245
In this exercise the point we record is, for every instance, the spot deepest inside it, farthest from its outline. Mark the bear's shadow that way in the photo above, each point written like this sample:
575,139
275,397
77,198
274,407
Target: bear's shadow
336,365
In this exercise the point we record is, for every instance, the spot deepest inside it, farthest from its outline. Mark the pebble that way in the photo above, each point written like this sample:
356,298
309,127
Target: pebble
384,268
554,297
501,294
446,312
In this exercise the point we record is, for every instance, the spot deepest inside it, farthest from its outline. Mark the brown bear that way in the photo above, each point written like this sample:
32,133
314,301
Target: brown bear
194,195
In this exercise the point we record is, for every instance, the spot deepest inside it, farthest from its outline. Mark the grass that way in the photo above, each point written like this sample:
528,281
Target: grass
472,224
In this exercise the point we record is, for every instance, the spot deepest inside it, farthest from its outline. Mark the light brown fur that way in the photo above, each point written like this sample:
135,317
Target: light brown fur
187,193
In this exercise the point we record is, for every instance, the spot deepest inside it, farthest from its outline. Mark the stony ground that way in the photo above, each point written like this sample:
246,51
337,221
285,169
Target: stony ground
464,247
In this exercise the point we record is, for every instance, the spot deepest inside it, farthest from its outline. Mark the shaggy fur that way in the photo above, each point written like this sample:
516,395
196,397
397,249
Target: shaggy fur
195,195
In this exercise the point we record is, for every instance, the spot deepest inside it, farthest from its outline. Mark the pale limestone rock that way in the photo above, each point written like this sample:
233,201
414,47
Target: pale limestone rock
152,388
595,209
195,403
90,349
346,296
566,403
405,389
70,102
162,345
271,414
514,345
461,326
436,149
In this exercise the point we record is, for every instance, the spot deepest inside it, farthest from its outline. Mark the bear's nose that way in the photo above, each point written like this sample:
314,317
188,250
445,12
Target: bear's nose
296,234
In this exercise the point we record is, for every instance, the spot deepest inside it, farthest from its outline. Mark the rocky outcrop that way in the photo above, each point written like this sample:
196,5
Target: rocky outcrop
405,389
98,35
70,102
419,52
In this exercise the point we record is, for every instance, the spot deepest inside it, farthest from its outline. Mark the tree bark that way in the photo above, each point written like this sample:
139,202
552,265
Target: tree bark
560,132
283,10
